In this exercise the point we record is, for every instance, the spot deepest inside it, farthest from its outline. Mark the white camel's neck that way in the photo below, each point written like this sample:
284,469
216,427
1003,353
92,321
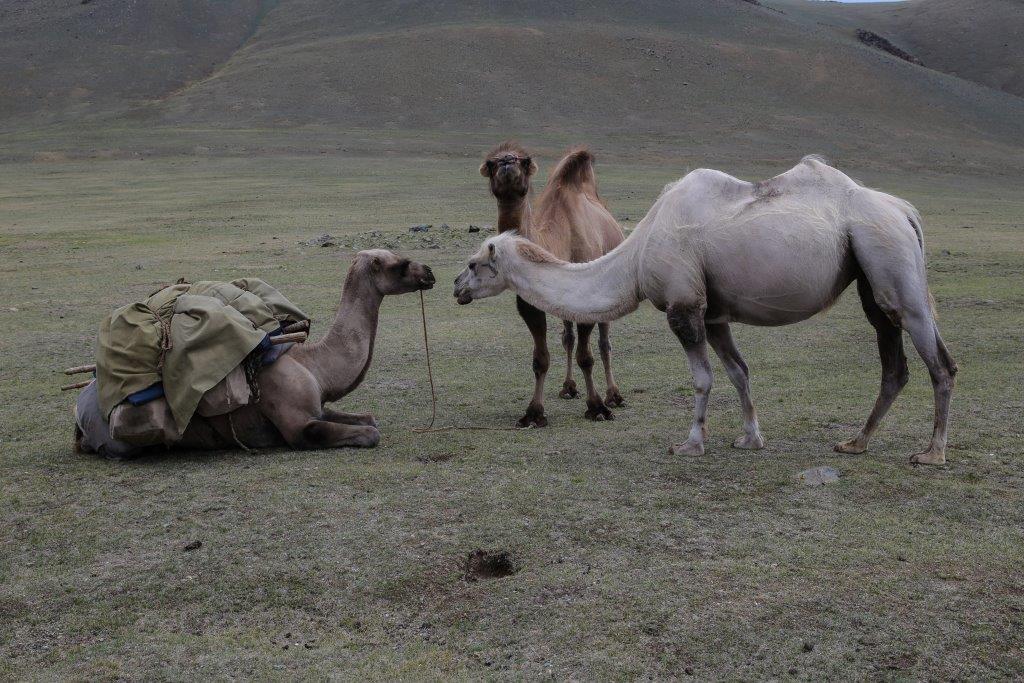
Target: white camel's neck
339,360
598,291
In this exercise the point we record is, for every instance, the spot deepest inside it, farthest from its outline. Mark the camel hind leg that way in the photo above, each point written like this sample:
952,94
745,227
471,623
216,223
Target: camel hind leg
568,343
613,398
596,409
720,339
891,259
894,367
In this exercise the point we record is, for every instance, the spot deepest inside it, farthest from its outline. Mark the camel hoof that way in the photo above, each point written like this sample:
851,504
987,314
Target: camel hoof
929,457
598,412
687,448
613,399
531,419
749,442
371,421
568,390
853,447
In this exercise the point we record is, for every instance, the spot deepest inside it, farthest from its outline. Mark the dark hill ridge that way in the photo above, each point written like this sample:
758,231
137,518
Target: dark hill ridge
978,40
715,74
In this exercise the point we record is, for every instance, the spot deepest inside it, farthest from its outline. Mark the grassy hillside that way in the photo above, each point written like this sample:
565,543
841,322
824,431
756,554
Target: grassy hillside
64,59
708,79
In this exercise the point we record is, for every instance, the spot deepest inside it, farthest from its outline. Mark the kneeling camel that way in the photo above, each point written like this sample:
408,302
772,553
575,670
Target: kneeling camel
715,250
293,391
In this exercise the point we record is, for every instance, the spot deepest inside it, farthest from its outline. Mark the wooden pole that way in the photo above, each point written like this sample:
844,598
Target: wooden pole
301,326
76,385
297,337
79,369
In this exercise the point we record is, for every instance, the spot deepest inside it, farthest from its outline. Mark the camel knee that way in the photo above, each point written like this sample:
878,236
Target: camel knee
902,377
702,382
541,362
568,337
585,359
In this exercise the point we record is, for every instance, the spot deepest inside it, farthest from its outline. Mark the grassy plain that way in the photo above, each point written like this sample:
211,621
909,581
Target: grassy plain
629,562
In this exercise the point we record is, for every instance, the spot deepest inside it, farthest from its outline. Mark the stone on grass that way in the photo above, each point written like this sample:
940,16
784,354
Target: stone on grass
422,227
817,476
323,240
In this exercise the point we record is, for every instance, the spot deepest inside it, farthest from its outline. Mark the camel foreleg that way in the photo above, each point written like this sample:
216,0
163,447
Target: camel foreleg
340,417
324,434
720,338
613,397
687,322
537,322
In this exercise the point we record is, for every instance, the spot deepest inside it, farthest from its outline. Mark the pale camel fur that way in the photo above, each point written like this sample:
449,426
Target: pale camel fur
572,222
714,250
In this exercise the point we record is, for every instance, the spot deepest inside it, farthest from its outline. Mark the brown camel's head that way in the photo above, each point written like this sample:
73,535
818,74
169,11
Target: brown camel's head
508,167
394,274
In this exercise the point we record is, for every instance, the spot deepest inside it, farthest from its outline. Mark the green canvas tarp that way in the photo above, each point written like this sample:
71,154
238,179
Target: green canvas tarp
189,336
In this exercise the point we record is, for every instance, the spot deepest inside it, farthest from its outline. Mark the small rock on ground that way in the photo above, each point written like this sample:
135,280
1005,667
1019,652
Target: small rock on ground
323,240
817,476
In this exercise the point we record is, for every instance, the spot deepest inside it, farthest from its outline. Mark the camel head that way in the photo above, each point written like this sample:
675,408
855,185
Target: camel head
482,276
393,274
508,167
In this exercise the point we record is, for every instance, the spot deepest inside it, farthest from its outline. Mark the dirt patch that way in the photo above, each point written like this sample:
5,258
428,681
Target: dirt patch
435,457
872,39
489,564
444,237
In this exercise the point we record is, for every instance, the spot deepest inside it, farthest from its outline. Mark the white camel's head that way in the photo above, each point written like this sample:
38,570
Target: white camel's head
483,275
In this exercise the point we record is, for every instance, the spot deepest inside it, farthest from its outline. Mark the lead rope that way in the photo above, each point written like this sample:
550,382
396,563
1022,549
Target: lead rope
433,392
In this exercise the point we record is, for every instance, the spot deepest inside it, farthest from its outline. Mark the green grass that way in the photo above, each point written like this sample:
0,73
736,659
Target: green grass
630,562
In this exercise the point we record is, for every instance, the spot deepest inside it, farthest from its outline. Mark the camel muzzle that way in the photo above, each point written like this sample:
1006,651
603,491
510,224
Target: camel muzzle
427,280
461,292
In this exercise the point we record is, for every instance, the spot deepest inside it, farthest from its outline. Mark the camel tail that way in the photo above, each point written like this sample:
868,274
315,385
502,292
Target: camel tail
576,170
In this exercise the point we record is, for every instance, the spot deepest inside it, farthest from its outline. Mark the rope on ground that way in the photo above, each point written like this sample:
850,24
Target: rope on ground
430,428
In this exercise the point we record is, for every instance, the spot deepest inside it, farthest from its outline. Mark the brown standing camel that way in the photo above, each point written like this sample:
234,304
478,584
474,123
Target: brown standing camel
294,389
573,223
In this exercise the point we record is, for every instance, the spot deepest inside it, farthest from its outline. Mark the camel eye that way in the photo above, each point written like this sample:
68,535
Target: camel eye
472,267
403,267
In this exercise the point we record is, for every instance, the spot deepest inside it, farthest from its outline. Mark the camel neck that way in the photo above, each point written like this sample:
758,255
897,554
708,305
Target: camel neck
339,360
514,214
598,291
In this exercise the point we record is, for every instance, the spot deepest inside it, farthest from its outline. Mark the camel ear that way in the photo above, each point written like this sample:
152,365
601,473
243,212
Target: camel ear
529,165
490,252
376,265
485,168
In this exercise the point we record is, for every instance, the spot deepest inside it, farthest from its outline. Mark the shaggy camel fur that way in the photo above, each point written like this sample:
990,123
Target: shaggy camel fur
294,389
573,223
715,250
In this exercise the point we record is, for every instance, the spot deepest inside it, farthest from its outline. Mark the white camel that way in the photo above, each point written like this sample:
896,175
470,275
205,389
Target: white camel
715,250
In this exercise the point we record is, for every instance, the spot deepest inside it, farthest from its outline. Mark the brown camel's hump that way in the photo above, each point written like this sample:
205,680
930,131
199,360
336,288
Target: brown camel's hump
575,171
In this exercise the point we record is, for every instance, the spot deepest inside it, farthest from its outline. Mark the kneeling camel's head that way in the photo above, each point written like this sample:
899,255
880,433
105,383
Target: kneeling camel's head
393,274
